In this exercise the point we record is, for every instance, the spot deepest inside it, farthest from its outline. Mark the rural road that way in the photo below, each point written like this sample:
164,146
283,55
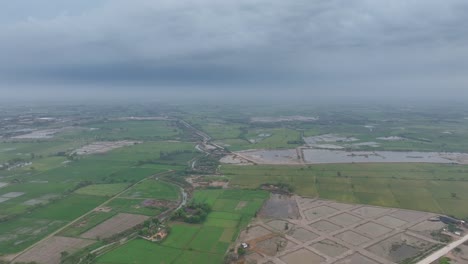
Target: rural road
441,252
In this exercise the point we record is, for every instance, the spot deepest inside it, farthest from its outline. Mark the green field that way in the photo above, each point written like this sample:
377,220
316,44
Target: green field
86,223
133,206
426,187
199,243
69,208
23,232
140,251
154,189
102,189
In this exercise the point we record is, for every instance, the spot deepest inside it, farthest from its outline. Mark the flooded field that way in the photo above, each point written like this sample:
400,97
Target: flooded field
317,156
103,147
285,156
325,156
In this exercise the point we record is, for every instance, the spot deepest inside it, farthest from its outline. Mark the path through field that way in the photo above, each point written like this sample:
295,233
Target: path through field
443,251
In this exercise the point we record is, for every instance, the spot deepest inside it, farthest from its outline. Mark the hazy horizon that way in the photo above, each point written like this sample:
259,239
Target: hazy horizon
211,50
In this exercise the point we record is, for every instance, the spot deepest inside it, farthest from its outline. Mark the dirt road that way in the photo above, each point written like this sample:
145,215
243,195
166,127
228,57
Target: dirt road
443,251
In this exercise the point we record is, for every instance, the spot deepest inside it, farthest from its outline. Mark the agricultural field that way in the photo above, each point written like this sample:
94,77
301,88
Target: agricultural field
127,130
86,223
69,208
199,243
134,206
152,188
427,187
23,232
102,189
44,185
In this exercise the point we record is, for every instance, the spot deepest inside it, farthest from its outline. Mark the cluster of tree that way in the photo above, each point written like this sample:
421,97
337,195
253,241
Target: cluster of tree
12,162
79,185
193,213
82,256
281,186
206,164
296,142
150,227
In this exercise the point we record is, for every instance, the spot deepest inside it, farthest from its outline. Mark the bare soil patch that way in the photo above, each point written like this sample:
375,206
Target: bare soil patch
103,147
319,212
325,226
353,238
372,230
426,228
280,225
370,211
390,221
274,245
307,203
302,256
115,225
48,251
356,259
330,248
280,206
302,234
344,219
255,232
240,205
400,247
410,216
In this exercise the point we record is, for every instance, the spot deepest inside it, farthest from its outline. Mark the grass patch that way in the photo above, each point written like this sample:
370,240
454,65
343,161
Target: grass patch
133,206
154,189
140,251
86,223
69,208
424,187
102,189
20,233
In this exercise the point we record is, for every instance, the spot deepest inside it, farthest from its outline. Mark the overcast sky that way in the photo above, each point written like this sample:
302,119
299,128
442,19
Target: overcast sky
325,47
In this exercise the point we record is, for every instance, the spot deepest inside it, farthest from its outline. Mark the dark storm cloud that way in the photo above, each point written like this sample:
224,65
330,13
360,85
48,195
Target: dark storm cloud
343,46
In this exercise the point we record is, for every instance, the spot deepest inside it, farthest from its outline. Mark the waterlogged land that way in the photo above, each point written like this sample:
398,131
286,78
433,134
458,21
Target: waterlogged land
324,156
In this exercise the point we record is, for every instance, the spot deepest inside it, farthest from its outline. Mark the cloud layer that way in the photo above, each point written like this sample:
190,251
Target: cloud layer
329,46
